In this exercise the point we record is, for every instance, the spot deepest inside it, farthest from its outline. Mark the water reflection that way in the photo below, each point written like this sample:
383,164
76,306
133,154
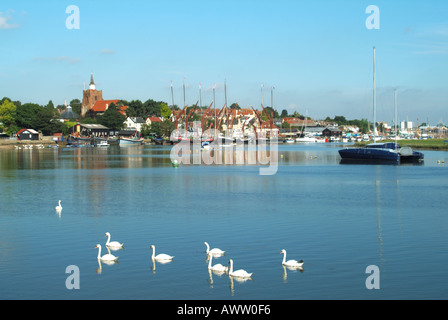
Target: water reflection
294,269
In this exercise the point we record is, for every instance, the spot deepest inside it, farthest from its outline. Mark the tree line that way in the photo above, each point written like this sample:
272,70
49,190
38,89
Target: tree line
15,115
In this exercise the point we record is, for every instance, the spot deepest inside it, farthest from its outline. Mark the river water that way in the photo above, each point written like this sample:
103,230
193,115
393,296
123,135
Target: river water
338,218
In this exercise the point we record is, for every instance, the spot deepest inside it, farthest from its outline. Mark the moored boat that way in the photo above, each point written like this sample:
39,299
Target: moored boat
130,141
103,143
372,152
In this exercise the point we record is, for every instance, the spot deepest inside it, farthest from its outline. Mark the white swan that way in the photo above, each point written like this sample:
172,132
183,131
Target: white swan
214,251
106,257
291,263
58,207
217,267
160,256
238,273
114,244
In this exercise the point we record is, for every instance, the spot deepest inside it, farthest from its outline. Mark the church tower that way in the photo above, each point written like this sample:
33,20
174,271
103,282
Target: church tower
90,96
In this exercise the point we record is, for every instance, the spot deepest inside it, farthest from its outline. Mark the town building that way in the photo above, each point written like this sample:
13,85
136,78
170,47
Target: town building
92,99
28,134
90,96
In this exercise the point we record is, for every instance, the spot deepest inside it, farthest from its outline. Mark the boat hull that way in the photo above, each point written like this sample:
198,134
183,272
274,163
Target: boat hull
130,142
369,154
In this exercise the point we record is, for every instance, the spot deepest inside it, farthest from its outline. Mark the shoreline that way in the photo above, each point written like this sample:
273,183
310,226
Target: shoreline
11,144
430,144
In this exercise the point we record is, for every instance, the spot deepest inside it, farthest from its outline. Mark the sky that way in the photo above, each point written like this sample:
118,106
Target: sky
314,57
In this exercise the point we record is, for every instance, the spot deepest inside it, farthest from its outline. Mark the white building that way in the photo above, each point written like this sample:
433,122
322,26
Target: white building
134,123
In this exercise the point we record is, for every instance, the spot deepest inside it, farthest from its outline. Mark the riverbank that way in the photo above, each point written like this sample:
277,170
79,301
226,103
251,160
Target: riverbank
430,144
46,141
11,144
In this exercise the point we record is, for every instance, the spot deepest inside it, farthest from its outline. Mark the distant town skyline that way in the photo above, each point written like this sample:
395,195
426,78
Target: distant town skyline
316,57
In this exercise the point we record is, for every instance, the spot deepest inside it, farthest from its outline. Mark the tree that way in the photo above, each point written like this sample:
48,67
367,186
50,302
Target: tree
50,105
151,108
165,110
7,115
135,108
340,120
76,105
284,113
26,115
235,105
112,118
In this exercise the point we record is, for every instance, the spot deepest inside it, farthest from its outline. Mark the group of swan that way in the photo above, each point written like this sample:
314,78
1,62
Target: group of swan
114,245
215,252
29,146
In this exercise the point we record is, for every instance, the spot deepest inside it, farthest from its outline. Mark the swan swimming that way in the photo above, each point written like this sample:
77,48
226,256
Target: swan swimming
291,263
58,207
106,257
160,256
214,251
114,244
217,267
238,273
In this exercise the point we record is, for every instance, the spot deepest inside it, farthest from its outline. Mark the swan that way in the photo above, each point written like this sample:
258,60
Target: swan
114,244
214,251
160,256
291,263
238,273
58,207
217,267
106,257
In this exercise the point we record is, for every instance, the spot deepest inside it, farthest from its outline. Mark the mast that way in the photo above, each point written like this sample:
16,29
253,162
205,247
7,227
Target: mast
183,85
172,95
262,94
214,105
200,95
396,117
374,98
225,92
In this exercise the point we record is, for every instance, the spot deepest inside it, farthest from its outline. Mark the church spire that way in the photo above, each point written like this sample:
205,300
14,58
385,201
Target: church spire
92,83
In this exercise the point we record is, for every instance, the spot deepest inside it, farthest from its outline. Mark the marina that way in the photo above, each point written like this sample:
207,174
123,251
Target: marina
338,219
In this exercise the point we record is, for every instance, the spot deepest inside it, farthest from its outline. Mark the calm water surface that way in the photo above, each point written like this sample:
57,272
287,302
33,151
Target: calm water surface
338,218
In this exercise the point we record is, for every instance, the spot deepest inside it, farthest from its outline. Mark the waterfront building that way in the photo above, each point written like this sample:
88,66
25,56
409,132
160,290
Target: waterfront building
92,99
134,123
28,134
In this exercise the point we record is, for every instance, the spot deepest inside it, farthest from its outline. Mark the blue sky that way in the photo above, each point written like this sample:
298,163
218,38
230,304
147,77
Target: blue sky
317,54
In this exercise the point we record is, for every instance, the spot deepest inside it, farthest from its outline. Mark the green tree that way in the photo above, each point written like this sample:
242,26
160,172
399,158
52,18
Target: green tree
151,108
340,120
112,118
284,113
165,110
26,115
8,114
76,105
135,108
159,129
